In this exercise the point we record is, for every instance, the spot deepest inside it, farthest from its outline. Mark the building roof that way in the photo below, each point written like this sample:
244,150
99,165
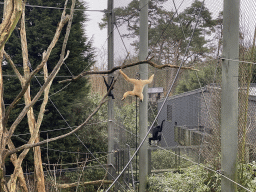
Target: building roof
156,90
185,94
252,92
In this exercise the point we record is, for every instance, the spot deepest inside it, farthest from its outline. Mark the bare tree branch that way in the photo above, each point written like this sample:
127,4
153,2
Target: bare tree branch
64,45
39,93
123,67
38,68
27,146
12,16
30,145
49,79
40,116
18,172
45,100
33,125
2,106
13,67
56,69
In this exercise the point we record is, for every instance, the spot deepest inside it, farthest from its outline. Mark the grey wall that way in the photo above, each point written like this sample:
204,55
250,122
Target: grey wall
184,109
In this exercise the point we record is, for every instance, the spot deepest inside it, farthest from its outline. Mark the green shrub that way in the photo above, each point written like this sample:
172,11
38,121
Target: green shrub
162,159
198,179
192,179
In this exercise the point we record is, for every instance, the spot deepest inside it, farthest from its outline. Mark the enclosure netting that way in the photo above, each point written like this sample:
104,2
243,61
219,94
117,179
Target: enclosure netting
191,131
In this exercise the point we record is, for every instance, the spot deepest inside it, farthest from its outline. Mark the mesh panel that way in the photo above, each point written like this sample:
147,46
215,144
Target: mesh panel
193,108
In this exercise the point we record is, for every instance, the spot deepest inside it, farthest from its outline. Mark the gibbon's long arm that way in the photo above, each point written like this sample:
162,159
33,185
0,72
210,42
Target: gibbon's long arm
149,80
161,127
138,86
128,79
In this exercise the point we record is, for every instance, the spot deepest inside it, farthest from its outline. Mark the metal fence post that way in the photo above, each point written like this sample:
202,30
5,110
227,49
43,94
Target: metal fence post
229,99
110,16
143,109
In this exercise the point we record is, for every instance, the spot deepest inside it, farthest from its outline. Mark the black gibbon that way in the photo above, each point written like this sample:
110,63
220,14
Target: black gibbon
108,86
155,132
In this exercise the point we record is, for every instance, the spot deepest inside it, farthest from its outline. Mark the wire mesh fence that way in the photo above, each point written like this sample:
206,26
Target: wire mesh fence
187,33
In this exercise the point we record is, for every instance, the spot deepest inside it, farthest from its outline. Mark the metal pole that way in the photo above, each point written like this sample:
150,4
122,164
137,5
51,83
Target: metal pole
229,99
129,156
143,109
110,17
136,144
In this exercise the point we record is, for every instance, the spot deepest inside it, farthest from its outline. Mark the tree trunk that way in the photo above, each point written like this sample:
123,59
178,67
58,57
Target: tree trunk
38,167
18,173
12,14
2,107
13,9
2,139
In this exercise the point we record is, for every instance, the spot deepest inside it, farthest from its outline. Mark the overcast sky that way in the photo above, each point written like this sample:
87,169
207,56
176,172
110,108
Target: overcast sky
98,36
92,26
248,21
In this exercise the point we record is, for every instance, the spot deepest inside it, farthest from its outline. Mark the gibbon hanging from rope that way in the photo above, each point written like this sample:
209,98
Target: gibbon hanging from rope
138,85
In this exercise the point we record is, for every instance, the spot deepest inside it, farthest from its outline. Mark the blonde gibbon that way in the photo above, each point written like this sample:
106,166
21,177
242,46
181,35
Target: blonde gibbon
138,86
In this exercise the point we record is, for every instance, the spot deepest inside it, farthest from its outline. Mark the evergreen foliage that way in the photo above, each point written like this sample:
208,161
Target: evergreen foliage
207,75
41,24
168,33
